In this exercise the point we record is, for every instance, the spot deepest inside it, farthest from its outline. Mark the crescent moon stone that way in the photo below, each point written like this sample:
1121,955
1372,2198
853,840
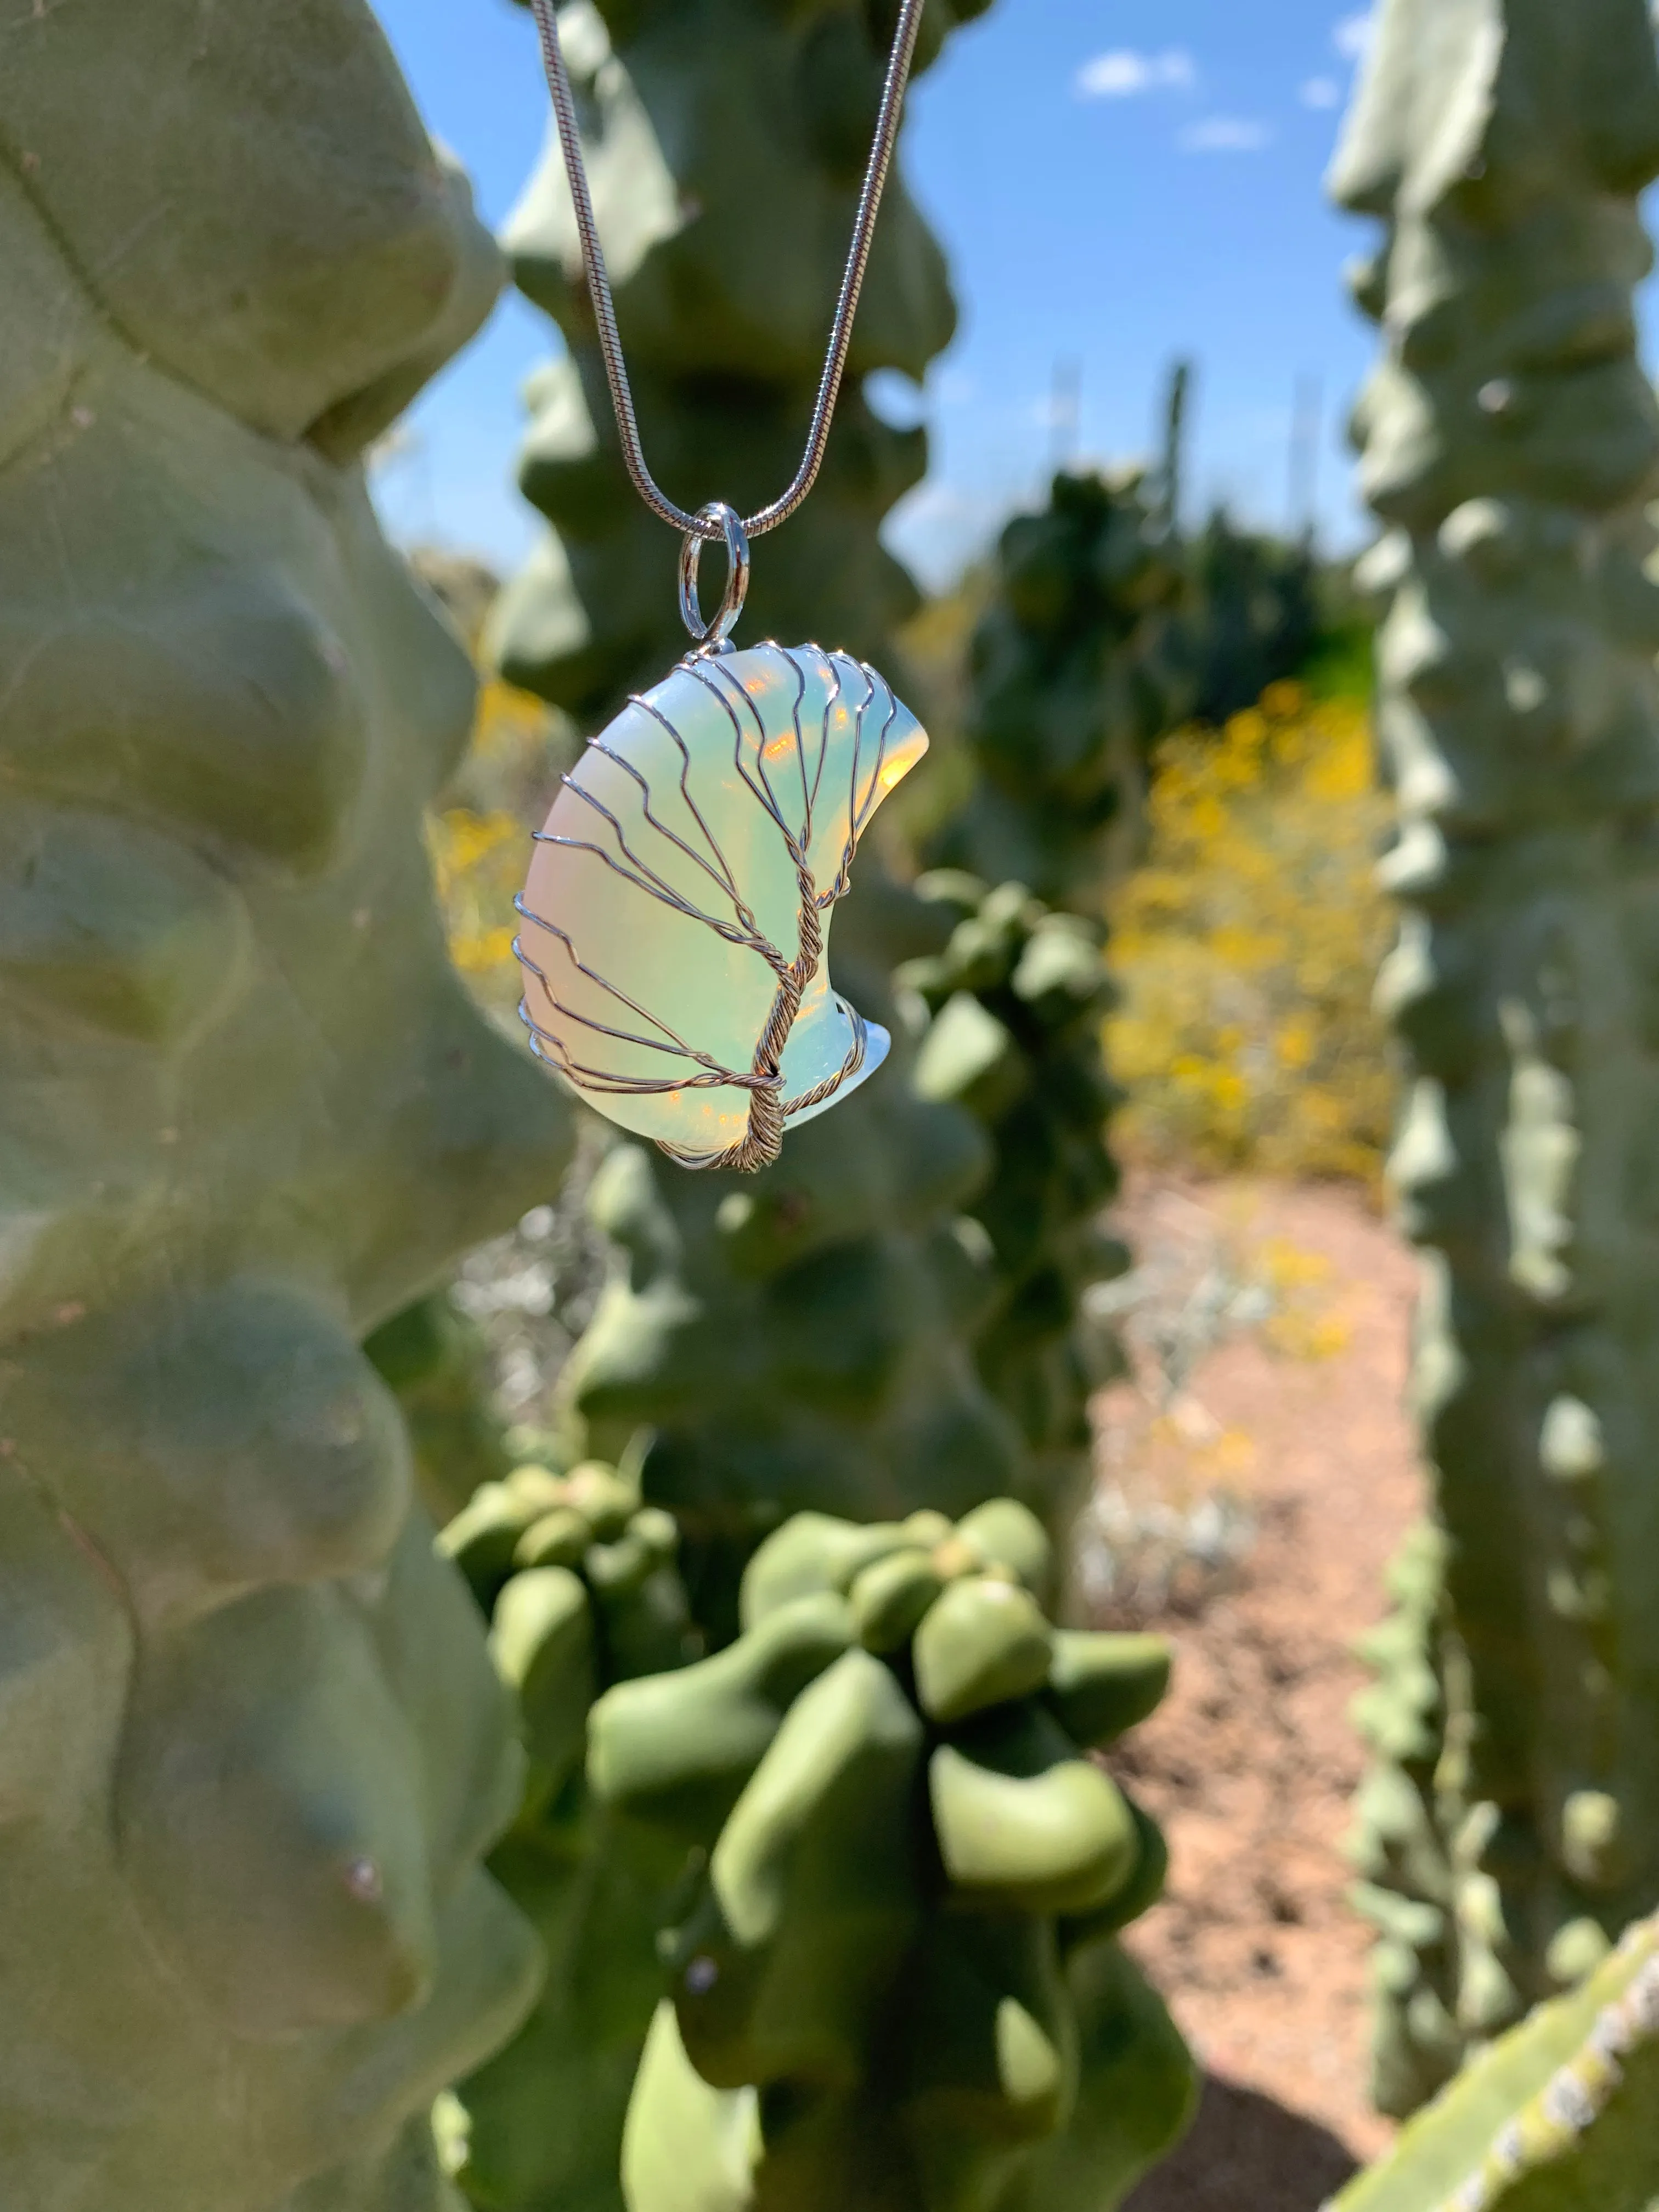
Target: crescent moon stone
681,893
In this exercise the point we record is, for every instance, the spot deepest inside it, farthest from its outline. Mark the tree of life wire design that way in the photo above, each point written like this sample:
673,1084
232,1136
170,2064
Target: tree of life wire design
763,1138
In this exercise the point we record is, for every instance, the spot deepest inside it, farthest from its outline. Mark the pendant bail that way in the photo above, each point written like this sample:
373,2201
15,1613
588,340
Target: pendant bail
711,637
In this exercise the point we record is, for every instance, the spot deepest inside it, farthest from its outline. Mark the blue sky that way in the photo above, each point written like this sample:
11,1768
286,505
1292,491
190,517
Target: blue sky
1116,182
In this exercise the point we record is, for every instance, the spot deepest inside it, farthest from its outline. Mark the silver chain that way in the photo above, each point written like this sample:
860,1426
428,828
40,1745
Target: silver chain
706,525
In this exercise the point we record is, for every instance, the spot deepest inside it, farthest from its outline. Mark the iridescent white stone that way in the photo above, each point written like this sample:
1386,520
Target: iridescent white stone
665,900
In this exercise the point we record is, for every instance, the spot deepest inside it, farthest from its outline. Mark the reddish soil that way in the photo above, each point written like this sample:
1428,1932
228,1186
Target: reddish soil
1297,1415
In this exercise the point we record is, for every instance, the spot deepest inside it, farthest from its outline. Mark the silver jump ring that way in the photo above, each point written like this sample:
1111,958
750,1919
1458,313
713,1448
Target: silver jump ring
711,637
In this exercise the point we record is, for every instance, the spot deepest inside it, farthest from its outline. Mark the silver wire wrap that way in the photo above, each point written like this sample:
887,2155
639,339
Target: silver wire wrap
841,332
712,636
762,1138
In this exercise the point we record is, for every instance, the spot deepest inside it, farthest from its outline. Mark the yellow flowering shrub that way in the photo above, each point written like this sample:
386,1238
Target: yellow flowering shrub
1246,948
480,861
479,834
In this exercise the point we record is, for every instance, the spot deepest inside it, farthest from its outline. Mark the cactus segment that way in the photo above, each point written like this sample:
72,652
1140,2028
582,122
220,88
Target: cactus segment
1075,674
1557,2116
813,1888
1023,1827
678,1748
542,1641
686,2142
811,1553
1018,995
890,1596
1100,1686
1003,1532
893,1989
993,2051
982,1642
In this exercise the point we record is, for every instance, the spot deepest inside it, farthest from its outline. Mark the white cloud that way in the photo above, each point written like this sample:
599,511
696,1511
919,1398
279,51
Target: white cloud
1322,92
1352,36
895,399
1226,134
953,387
1125,75
938,528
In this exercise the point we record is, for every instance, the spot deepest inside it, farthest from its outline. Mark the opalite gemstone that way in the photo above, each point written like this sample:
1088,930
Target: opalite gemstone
667,891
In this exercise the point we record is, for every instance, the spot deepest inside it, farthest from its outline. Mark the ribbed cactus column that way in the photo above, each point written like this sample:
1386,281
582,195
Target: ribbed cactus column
251,1749
1019,998
1072,679
1511,441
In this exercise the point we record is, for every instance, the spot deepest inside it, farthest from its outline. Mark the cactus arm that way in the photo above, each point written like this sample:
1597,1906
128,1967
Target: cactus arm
1560,2115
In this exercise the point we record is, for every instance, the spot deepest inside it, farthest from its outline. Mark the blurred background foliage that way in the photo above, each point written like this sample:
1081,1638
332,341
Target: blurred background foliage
1246,944
478,831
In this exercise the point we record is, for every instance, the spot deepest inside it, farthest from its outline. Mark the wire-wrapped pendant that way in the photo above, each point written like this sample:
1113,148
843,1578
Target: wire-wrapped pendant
677,915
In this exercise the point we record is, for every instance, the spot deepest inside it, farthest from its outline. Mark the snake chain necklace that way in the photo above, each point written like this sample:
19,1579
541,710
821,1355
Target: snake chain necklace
677,914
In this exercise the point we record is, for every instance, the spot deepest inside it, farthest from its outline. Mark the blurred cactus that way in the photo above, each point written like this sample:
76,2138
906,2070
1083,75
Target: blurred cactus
801,1338
1070,683
1510,444
726,143
1405,1814
1172,466
251,1747
1253,618
436,1362
895,1985
1558,2116
580,1581
1017,999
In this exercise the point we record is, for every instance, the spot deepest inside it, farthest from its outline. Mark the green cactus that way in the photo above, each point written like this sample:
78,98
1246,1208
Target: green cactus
580,1582
1557,2116
1017,999
251,1749
1511,442
436,1362
1405,1814
1252,620
1072,677
895,1985
1071,680
800,1337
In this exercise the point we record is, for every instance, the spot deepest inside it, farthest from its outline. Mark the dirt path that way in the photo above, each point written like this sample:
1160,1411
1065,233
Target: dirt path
1269,1338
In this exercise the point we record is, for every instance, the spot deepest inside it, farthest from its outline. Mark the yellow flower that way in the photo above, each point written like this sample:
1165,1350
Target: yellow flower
1247,947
